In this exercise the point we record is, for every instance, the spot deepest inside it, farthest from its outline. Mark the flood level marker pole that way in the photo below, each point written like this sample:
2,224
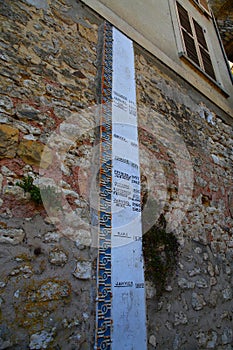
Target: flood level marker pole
120,310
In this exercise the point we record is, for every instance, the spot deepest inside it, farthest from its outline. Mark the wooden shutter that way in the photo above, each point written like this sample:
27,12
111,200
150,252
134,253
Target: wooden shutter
187,34
203,48
190,48
184,18
208,67
200,35
194,40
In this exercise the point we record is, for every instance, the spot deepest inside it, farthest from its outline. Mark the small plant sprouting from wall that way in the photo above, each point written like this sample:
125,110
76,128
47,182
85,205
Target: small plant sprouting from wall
27,185
50,196
160,250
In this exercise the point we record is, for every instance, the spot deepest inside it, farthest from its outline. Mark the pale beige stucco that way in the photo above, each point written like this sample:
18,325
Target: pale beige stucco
154,25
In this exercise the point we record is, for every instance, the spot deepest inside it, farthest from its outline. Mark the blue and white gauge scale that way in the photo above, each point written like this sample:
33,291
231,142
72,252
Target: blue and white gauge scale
120,310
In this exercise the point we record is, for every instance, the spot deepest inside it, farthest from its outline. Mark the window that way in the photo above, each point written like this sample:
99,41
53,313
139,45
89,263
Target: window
195,46
203,4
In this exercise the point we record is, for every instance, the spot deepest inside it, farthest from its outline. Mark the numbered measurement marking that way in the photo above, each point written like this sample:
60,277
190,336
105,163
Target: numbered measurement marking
121,316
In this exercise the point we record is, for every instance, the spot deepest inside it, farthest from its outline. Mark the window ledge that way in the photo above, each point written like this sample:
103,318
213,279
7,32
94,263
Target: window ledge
218,86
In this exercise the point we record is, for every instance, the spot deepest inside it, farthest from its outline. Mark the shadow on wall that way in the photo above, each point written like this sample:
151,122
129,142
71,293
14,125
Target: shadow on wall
160,249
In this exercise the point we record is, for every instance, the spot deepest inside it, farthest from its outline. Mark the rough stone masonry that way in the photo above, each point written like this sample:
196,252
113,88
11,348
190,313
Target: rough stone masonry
49,70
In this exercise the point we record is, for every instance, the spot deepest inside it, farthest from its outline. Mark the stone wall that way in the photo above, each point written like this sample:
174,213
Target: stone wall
48,121
194,312
48,70
223,11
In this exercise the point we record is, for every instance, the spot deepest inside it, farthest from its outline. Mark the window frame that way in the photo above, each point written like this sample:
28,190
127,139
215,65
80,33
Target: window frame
203,5
190,37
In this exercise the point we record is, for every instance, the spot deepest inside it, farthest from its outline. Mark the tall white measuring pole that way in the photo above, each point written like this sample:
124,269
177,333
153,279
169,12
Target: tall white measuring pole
121,314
